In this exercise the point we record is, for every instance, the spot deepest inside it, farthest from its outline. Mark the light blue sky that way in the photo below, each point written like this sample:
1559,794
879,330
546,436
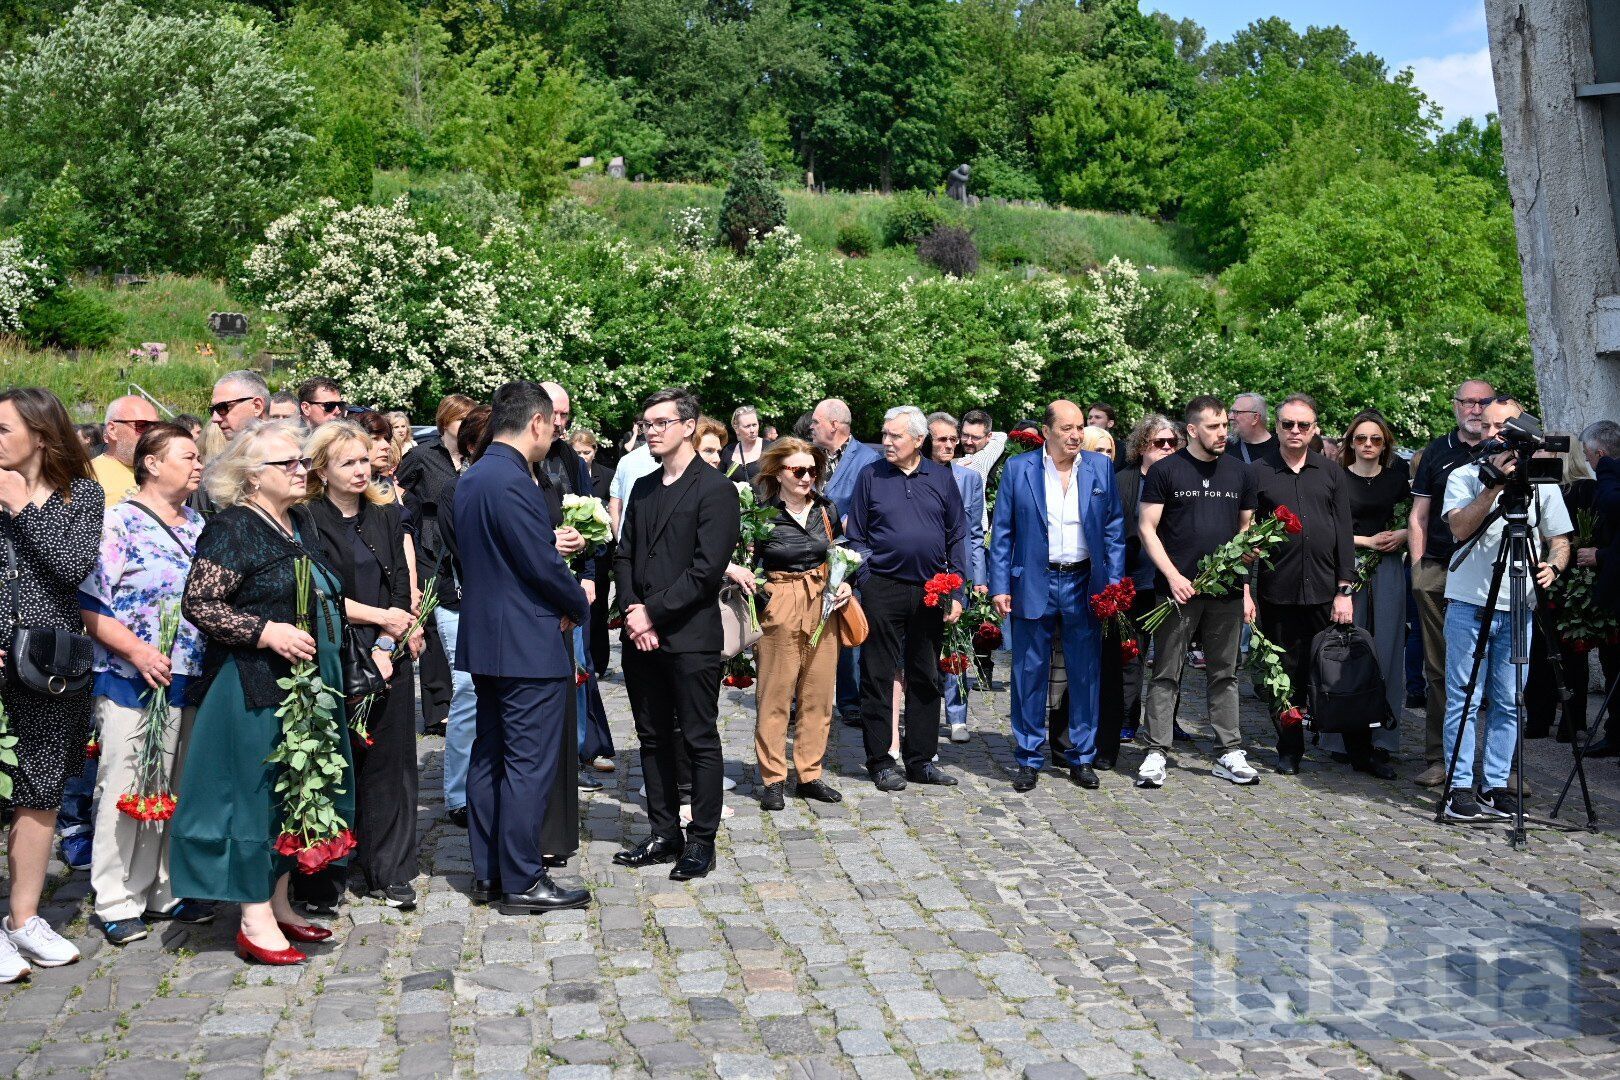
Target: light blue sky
1442,41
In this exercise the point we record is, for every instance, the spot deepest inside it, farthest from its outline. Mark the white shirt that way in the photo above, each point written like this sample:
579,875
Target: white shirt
1065,539
985,459
1471,581
632,467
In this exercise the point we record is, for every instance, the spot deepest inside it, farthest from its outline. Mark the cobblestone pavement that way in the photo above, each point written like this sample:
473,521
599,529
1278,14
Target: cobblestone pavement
968,931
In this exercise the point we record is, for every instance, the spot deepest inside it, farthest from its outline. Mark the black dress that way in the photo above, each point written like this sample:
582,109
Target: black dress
57,546
427,474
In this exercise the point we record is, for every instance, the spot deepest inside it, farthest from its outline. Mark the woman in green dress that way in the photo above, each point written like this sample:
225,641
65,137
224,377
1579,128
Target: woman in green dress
241,594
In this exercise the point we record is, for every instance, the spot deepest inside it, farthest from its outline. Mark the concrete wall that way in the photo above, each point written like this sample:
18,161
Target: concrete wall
1540,51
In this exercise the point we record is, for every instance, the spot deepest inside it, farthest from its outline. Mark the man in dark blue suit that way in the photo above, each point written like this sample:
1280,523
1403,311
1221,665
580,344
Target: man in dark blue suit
518,599
847,456
1058,538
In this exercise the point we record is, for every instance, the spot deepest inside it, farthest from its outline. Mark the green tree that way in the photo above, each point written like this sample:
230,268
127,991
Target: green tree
186,135
1103,149
752,206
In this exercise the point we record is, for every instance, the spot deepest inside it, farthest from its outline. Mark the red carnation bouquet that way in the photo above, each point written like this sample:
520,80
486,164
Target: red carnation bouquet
151,800
1218,571
956,653
1021,442
1112,607
1265,658
986,624
1581,619
939,587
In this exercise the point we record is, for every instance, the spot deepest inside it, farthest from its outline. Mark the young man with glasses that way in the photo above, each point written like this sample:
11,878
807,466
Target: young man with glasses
320,400
1250,438
1431,545
127,419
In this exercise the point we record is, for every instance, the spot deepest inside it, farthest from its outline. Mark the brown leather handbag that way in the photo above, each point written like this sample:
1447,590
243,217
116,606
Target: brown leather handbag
852,624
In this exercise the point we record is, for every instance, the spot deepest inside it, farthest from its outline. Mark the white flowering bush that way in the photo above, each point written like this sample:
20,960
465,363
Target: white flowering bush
24,281
692,227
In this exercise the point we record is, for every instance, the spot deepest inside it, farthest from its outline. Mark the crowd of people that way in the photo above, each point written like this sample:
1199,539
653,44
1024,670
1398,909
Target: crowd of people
302,533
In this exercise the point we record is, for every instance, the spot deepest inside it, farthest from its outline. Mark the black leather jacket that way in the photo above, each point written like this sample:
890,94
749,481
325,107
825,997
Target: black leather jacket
792,549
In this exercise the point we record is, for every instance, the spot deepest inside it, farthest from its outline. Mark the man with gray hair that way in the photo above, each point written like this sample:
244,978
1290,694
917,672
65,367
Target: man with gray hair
1250,424
1601,444
127,419
907,522
241,399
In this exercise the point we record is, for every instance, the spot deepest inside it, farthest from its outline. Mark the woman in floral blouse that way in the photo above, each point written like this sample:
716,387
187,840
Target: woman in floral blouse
146,546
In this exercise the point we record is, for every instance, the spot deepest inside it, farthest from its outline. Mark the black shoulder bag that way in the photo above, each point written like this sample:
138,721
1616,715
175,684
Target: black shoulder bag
44,659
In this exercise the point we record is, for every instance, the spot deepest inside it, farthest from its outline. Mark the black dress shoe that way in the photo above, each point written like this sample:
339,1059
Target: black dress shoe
589,783
437,728
819,790
553,861
458,817
771,797
544,895
695,862
1381,769
1085,776
483,890
1104,763
931,774
1026,778
1288,765
889,780
650,852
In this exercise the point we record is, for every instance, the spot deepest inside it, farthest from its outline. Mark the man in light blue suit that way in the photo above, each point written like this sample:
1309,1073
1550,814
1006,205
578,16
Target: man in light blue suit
846,456
943,438
1058,538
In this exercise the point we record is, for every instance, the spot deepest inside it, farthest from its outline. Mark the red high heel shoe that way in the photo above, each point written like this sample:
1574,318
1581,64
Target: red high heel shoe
309,932
276,957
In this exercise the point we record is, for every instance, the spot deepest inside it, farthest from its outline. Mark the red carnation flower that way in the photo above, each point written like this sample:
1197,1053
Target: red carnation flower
580,678
1029,440
1129,649
1293,716
987,637
92,750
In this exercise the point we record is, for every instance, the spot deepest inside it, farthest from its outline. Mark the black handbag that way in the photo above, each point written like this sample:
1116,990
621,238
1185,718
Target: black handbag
44,659
361,676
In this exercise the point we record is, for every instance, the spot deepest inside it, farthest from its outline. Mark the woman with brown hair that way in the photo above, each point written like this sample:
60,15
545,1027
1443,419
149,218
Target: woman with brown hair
50,532
794,558
1379,484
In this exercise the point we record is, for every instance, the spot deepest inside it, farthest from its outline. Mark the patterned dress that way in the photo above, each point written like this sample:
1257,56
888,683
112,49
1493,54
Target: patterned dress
57,545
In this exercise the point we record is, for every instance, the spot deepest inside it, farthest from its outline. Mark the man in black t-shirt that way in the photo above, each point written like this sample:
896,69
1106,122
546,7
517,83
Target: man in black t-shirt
1432,547
1192,502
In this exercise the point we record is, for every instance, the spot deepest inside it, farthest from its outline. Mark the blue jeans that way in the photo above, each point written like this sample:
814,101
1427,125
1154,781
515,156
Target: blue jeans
1031,644
78,793
1495,685
956,688
461,725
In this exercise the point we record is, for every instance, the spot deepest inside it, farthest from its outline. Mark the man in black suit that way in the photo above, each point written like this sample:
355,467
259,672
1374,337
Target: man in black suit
518,600
681,524
1600,442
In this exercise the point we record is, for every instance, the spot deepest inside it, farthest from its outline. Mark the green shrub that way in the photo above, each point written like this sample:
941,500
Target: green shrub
915,214
71,319
1007,253
996,177
856,238
752,206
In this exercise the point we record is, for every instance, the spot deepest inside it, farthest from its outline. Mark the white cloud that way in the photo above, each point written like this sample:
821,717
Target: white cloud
1470,22
1460,83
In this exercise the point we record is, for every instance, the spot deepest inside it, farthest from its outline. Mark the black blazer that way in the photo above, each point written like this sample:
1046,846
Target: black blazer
1606,506
675,563
381,529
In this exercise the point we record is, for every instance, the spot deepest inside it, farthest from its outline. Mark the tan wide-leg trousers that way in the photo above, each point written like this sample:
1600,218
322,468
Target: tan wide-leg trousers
789,669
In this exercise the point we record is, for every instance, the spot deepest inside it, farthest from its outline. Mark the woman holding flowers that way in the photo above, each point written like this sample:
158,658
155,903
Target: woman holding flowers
794,663
146,656
359,534
268,612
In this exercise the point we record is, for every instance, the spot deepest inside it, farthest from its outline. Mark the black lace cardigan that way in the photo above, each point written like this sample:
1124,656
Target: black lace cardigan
241,579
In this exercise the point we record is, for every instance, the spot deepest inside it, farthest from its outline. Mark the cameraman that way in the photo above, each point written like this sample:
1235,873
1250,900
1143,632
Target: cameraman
1472,492
1601,444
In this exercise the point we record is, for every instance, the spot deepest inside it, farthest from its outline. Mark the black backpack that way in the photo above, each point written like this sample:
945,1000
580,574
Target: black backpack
1347,686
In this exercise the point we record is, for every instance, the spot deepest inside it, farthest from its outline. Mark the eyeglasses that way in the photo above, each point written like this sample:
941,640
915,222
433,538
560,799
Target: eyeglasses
1296,425
801,471
140,426
328,406
293,465
1164,444
1243,412
1368,440
220,408
657,426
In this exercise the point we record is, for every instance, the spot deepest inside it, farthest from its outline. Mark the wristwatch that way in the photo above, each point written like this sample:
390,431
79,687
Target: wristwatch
1347,590
384,645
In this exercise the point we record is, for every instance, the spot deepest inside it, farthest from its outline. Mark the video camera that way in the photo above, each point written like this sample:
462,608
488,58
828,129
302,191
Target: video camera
1523,436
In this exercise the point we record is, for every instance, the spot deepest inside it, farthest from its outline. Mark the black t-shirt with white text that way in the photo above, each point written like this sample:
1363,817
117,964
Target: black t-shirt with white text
1203,504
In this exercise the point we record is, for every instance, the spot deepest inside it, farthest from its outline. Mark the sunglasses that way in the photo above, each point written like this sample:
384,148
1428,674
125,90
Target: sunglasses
140,426
328,407
220,408
293,465
1368,440
799,472
1164,444
1296,425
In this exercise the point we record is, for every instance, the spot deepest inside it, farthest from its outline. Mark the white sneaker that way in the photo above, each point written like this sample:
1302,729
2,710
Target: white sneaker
959,733
1234,766
37,941
12,965
1152,772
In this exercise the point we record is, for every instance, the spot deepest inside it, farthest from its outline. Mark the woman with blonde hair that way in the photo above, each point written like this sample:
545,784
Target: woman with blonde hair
794,558
359,533
1098,441
242,594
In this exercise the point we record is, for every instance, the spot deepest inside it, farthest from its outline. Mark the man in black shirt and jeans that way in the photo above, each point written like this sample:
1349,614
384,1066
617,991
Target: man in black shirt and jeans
1308,582
1192,502
1432,546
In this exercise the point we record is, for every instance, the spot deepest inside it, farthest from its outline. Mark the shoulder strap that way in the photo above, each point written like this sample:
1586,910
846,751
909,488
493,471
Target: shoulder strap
149,512
12,572
827,522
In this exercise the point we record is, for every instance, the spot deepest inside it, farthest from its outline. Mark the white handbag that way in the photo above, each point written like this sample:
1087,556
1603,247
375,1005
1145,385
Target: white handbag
735,617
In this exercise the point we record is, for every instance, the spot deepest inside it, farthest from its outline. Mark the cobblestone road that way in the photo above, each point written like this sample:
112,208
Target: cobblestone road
967,931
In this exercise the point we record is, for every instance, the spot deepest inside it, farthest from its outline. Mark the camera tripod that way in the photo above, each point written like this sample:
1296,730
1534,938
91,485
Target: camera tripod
1516,560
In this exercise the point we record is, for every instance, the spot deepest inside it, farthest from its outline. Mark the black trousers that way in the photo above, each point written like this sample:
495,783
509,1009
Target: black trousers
1541,702
903,632
434,671
675,698
600,648
516,752
1292,627
1120,689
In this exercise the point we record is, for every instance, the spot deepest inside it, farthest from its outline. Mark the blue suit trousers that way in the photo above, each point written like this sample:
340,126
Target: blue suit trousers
1068,613
521,724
